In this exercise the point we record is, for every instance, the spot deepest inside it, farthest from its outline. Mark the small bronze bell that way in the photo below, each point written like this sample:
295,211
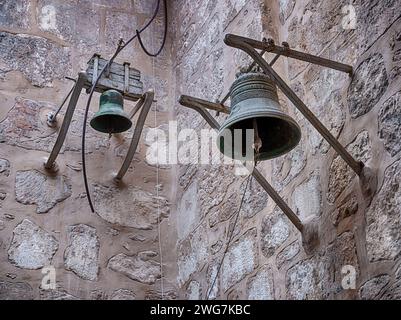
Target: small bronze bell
111,117
254,105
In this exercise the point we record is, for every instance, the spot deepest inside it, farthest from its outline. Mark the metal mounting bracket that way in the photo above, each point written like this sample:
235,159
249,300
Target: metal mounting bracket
308,229
367,177
50,163
143,104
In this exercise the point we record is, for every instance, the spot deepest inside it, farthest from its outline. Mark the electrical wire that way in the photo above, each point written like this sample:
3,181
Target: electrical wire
229,239
256,146
164,36
54,116
121,46
157,193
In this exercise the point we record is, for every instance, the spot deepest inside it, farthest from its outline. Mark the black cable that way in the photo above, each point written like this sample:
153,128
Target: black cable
164,36
62,104
146,25
120,47
229,239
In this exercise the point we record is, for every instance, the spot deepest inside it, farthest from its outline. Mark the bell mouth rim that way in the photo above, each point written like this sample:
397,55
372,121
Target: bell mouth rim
126,123
288,147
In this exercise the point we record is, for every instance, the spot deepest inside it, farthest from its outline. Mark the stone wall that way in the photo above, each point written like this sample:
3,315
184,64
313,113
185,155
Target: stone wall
115,253
45,219
266,258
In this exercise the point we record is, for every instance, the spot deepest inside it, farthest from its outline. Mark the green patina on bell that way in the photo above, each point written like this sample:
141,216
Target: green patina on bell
111,117
254,103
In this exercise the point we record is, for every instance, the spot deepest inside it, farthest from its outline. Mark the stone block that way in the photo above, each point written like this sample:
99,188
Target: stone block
15,13
275,230
341,252
188,214
82,253
325,14
123,294
241,259
56,294
390,124
261,285
307,280
213,182
130,207
77,24
25,126
383,239
255,199
33,187
31,247
368,84
331,114
307,197
373,19
340,174
286,8
139,267
192,254
372,288
345,210
287,254
40,60
286,168
15,291
194,291
393,292
4,167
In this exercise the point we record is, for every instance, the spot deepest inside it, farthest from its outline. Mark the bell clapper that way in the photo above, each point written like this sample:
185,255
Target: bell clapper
257,141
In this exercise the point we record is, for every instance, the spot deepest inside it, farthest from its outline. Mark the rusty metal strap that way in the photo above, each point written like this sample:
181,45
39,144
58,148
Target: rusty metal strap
147,102
199,106
246,46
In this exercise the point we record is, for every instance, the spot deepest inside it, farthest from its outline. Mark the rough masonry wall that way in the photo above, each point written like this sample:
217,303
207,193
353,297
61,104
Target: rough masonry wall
266,259
114,254
45,219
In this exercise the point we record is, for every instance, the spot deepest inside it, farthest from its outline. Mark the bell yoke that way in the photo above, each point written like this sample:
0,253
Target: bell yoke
254,106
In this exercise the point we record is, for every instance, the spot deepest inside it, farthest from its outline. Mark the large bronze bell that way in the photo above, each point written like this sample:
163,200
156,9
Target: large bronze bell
111,117
254,105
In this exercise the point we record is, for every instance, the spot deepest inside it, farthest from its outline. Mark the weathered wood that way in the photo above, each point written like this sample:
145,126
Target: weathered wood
67,120
116,74
115,67
95,67
126,77
132,96
117,78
